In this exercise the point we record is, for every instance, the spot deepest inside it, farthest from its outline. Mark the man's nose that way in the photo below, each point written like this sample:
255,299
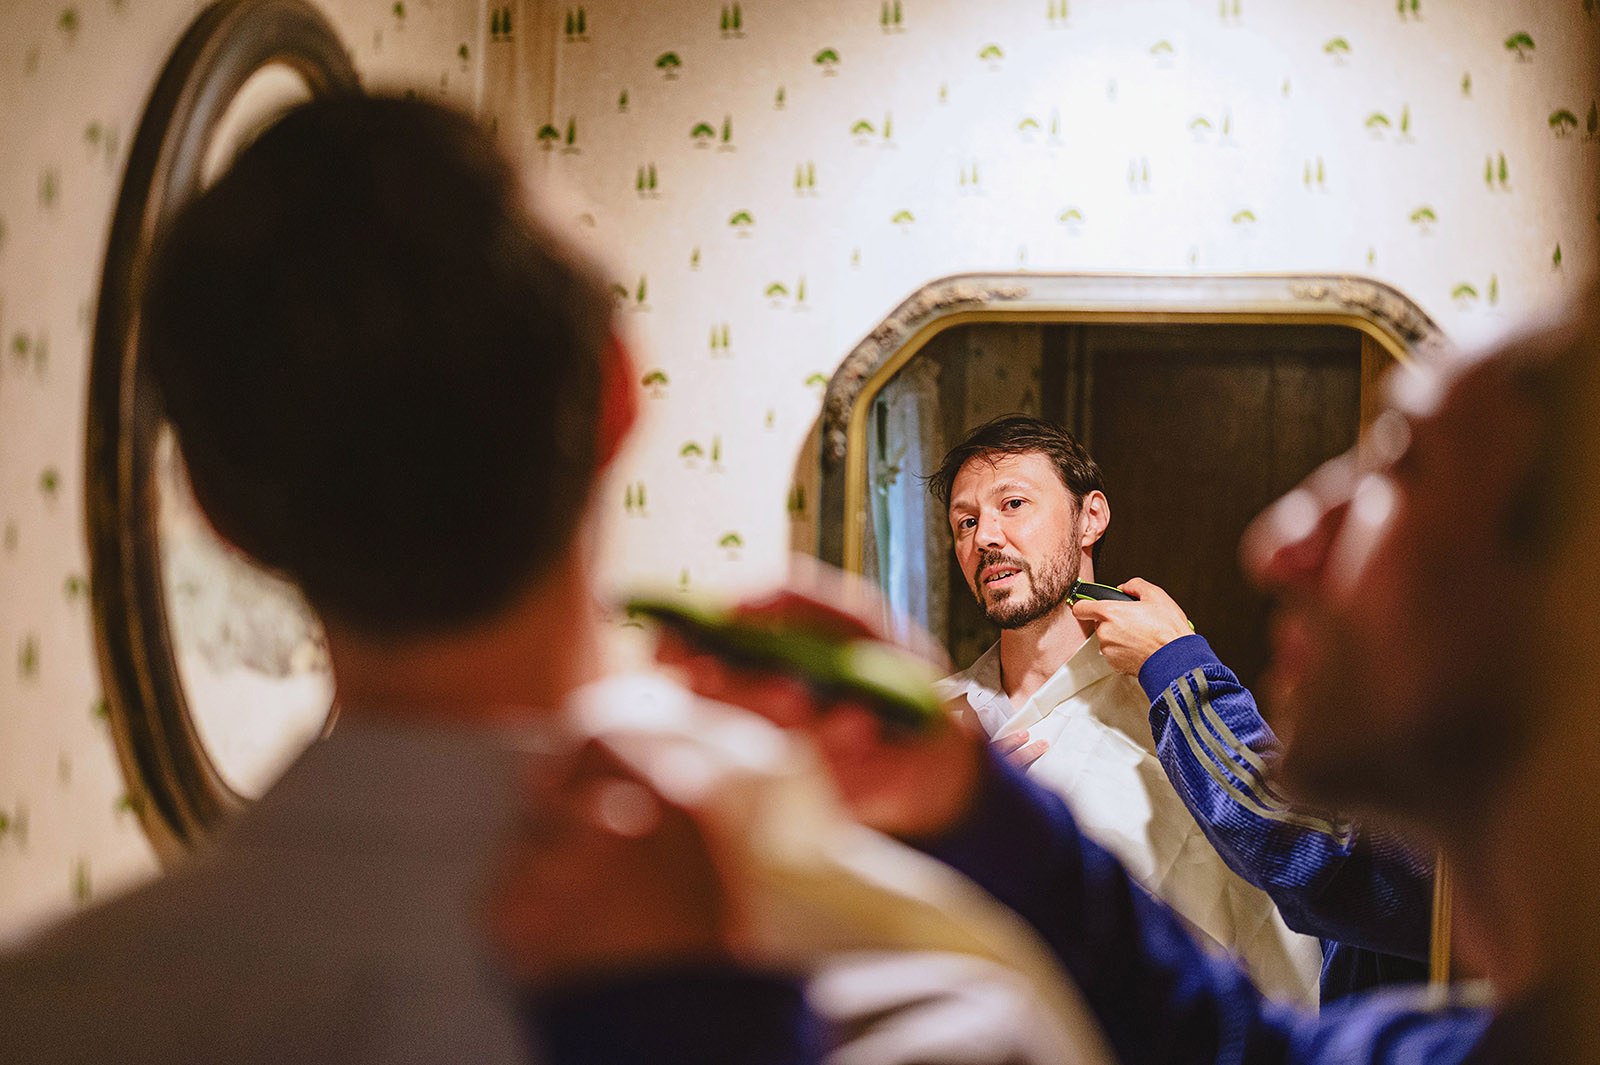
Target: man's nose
1287,545
990,532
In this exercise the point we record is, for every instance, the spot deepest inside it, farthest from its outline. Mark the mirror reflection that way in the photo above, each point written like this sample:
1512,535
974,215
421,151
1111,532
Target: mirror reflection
249,651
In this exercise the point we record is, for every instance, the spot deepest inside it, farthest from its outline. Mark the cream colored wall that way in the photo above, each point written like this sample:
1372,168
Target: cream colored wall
1149,135
1115,87
74,76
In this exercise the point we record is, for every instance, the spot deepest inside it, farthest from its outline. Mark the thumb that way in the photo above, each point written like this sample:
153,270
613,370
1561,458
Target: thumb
1090,610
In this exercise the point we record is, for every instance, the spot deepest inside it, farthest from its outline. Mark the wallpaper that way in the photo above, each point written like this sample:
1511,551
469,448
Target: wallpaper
74,77
775,177
769,178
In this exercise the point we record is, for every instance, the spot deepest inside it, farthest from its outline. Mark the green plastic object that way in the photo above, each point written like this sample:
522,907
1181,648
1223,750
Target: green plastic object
892,682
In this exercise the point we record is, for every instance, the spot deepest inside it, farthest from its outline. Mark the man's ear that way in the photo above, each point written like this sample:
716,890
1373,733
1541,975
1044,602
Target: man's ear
619,401
1095,514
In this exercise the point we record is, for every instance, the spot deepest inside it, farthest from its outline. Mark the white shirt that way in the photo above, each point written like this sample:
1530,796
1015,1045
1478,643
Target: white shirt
1102,761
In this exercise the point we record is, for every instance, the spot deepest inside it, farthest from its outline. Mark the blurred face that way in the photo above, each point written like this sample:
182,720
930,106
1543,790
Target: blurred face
1017,532
1399,595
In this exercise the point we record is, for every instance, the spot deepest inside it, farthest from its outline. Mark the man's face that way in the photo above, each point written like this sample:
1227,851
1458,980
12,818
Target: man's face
1397,589
1016,530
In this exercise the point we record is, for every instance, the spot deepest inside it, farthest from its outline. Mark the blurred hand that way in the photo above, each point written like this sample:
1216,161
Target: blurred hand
1132,632
909,785
1016,749
602,877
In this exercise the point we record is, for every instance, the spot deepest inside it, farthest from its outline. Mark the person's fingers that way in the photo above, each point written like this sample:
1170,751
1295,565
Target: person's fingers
1024,757
1007,745
1095,610
1139,588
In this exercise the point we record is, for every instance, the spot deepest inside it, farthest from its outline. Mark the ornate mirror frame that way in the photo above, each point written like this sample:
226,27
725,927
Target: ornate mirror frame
176,789
1392,327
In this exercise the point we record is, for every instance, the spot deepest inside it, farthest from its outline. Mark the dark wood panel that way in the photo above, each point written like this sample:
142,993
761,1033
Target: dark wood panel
1198,428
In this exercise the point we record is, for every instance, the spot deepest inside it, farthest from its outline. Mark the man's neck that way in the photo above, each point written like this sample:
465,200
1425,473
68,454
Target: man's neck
527,658
1032,654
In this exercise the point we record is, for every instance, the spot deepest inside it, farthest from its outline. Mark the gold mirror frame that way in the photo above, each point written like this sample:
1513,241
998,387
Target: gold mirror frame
175,788
1393,327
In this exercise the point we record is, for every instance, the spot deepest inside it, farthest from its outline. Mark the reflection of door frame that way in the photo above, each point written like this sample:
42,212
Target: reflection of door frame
1391,325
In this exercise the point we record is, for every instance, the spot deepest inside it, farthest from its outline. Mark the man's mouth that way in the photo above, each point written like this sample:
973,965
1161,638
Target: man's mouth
996,574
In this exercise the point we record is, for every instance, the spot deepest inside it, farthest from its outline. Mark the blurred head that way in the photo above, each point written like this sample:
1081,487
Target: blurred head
1408,576
385,372
1027,510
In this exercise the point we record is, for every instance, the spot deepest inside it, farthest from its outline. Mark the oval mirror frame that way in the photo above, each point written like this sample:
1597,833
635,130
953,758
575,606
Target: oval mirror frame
173,786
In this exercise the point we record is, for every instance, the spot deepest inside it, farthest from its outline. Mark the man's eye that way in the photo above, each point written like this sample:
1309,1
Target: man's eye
967,523
1013,504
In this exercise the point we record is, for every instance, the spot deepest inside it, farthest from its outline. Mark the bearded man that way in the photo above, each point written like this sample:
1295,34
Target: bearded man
1028,511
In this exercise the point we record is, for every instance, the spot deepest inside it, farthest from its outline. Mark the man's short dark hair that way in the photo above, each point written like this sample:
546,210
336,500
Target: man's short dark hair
1016,434
383,370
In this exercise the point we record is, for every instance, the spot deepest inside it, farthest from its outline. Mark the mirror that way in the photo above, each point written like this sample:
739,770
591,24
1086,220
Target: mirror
214,673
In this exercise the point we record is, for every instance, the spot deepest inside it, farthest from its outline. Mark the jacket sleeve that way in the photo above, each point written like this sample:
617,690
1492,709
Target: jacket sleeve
1329,877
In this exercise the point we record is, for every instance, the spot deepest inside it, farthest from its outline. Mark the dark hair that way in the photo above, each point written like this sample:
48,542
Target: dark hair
383,371
1016,434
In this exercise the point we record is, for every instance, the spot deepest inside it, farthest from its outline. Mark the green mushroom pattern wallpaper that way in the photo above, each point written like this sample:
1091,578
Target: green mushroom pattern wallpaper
766,181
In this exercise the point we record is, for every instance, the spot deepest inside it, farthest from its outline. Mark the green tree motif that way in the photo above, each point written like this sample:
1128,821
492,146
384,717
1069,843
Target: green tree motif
1242,217
1424,216
702,132
799,178
1563,122
1405,120
641,291
1503,172
727,21
797,500
1555,260
863,128
991,53
619,290
732,541
888,127
1161,48
583,23
638,181
800,290
28,657
1071,216
727,341
399,10
1494,289
1199,124
1488,172
694,258
727,129
779,99
548,135
1337,47
1028,125
1466,84
811,175
738,19
49,481
572,132
652,177
1521,44
75,586
1377,120
777,291
741,219
903,217
716,450
622,101
67,21
656,381
691,450
1464,292
669,63
82,888
464,53
817,380
827,59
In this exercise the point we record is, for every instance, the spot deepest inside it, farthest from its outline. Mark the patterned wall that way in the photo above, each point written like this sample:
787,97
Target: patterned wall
779,175
772,177
74,75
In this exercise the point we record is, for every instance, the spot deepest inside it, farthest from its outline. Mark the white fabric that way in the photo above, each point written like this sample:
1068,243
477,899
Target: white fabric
1102,761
